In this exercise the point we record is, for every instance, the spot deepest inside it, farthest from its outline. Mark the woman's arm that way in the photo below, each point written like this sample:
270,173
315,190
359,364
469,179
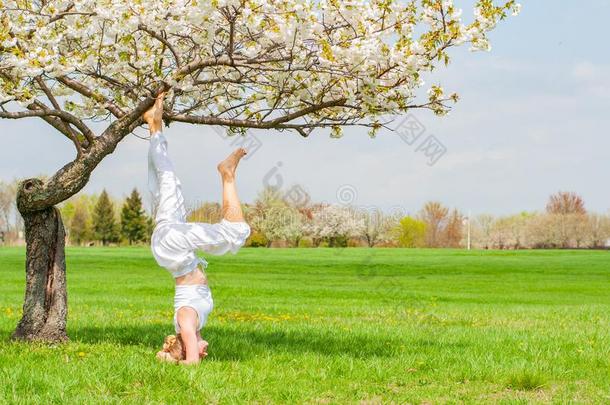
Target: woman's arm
187,320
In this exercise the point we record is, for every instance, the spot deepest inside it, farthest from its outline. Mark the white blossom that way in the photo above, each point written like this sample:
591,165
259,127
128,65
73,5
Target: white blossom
266,59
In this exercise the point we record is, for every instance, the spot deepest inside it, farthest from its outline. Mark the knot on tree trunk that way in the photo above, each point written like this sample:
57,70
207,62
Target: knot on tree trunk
27,191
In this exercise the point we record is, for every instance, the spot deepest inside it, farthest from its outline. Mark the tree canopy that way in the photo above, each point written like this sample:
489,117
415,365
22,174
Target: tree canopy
297,64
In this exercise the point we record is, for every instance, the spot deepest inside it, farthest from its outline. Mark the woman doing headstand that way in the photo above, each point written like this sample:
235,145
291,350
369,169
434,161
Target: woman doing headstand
174,241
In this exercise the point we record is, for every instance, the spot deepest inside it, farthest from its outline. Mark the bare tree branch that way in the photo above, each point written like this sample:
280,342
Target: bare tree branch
67,129
42,111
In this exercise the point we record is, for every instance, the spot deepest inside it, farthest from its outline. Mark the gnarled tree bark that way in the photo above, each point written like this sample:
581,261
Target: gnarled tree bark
45,304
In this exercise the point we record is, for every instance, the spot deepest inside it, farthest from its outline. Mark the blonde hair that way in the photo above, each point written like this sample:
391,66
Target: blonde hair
174,345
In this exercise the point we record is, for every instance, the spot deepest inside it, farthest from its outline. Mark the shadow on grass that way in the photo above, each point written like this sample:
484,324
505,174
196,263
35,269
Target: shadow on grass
236,343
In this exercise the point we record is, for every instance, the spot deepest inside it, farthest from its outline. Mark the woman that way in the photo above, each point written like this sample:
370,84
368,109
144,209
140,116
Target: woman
174,240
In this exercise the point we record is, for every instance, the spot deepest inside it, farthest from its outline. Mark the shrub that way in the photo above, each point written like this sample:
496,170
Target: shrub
305,243
257,239
411,232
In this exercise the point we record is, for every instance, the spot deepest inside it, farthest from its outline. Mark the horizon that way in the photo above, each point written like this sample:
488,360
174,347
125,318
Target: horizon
191,206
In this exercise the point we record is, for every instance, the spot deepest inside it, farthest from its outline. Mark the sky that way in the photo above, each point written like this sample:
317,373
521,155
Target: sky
533,119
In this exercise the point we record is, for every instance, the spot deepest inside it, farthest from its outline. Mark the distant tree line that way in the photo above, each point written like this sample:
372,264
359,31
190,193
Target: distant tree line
93,219
564,223
276,221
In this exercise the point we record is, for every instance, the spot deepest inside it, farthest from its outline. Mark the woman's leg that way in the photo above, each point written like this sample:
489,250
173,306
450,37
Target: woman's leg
154,116
163,182
231,206
229,234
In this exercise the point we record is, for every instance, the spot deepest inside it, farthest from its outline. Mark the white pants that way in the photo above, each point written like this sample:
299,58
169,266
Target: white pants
174,241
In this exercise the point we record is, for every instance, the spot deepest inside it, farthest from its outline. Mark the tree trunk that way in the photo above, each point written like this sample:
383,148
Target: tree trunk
45,306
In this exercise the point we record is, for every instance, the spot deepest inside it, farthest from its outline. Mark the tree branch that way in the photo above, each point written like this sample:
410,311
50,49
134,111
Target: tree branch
164,41
42,111
277,123
85,91
314,108
67,129
71,178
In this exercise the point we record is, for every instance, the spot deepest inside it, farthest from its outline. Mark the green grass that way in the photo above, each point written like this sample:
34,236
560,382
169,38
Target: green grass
325,326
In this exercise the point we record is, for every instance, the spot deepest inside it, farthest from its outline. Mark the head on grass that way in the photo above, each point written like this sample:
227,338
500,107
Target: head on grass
173,348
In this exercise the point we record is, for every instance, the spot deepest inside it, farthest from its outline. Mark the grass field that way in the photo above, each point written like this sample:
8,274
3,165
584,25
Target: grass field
325,326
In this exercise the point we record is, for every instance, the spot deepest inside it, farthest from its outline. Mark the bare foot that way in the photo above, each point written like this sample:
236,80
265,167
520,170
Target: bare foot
227,167
154,115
